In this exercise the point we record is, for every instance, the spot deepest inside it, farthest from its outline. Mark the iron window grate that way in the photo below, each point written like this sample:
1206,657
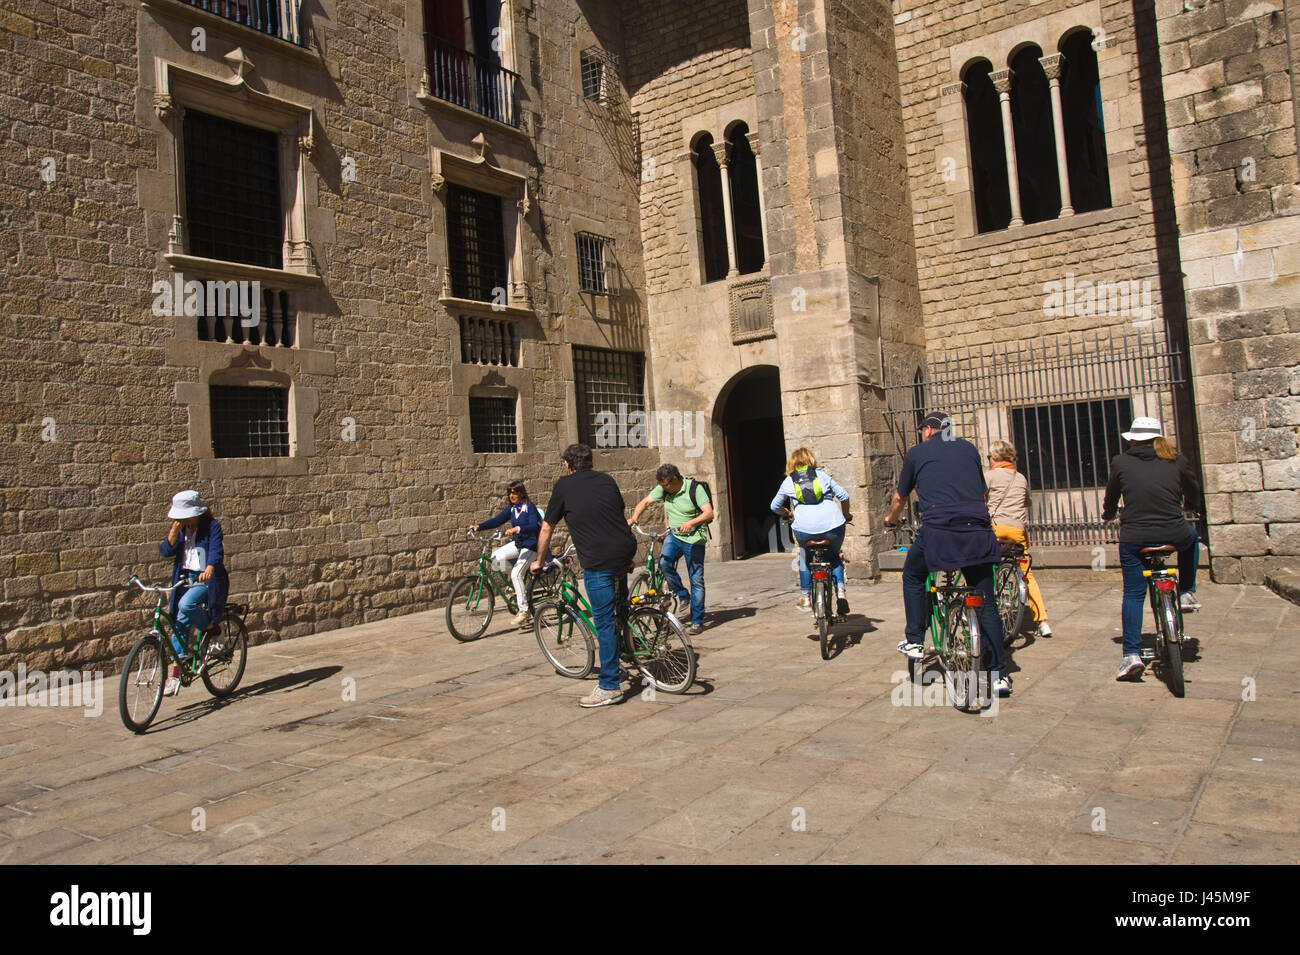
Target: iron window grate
232,191
492,425
1067,446
606,381
476,247
593,78
249,422
591,262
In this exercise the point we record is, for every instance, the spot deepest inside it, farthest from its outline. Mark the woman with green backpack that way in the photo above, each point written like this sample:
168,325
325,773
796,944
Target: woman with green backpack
820,511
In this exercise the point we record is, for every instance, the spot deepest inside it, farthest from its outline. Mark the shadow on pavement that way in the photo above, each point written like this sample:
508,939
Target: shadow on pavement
288,681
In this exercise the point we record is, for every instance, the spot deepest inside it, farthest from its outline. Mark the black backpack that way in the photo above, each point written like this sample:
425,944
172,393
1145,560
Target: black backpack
691,485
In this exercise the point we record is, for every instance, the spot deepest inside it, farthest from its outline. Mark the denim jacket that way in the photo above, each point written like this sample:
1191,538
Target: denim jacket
208,536
959,535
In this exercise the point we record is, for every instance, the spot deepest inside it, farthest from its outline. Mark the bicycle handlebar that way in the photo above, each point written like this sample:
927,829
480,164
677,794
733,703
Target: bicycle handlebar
134,579
655,537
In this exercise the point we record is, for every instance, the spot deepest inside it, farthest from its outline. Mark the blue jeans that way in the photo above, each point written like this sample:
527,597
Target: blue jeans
604,589
836,537
694,554
192,610
1135,585
916,606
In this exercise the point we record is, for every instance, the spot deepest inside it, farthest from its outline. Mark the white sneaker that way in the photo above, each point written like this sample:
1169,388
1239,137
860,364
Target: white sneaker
521,618
1188,601
1130,669
599,697
172,686
804,604
1044,630
914,651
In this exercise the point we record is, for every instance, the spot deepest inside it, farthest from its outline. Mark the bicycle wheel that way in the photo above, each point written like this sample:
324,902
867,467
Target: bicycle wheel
1172,628
961,665
660,649
565,640
822,604
140,693
469,607
224,656
1010,607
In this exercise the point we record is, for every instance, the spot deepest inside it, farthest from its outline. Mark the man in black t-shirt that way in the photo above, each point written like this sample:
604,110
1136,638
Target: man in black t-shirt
593,505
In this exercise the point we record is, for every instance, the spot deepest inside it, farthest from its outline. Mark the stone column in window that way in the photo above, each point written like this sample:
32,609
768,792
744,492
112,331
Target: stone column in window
1002,83
758,178
1052,67
172,116
296,145
519,292
723,153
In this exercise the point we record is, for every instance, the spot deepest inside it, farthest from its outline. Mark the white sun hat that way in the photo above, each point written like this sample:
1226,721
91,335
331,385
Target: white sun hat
1143,429
187,504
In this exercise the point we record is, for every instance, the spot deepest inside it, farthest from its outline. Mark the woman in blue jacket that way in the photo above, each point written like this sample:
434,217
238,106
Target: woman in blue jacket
194,542
525,521
821,510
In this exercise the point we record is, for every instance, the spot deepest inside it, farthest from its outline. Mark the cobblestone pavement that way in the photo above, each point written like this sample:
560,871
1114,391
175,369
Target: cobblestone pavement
478,752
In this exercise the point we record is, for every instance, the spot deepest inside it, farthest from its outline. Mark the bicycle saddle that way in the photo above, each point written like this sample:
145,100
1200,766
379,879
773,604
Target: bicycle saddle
1162,549
818,543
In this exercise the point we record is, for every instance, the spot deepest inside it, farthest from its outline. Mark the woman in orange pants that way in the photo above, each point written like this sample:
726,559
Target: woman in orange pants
1009,508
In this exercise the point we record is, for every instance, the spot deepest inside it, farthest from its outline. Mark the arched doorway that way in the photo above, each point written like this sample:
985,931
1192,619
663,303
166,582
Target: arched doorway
753,443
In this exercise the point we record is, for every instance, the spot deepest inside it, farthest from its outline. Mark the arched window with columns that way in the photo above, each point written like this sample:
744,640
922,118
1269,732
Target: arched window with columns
987,148
712,216
1084,127
746,208
1032,120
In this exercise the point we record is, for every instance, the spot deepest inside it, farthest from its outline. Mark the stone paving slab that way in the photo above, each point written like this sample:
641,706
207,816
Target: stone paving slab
477,752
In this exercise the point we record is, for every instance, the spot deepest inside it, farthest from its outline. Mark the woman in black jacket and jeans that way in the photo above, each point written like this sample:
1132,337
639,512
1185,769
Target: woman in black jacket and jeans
1156,482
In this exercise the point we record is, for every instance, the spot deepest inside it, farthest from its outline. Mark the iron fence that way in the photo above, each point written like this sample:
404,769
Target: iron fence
1062,402
278,18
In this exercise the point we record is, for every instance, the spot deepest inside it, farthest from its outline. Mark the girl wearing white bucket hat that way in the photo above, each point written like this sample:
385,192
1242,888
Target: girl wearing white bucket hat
195,544
1156,483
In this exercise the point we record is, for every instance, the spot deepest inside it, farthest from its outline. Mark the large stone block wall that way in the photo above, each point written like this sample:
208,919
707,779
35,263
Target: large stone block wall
98,395
1231,108
977,289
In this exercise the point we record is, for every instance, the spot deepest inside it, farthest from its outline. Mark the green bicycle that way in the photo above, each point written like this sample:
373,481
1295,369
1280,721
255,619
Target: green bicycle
651,639
955,637
216,656
647,583
472,600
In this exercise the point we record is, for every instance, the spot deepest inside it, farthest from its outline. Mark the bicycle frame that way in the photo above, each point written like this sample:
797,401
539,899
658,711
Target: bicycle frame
165,627
1162,579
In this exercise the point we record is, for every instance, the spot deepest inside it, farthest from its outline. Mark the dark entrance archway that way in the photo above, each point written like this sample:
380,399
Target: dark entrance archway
753,441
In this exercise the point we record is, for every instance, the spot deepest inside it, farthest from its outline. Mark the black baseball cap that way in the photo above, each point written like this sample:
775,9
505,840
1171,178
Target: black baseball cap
937,420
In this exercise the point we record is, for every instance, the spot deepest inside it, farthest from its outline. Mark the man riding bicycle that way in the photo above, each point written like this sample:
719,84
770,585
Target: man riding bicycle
958,533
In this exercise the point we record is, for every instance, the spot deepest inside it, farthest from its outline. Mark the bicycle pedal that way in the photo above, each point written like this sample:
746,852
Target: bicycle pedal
1147,655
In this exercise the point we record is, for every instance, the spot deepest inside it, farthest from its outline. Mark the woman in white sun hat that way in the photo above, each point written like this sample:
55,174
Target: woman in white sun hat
1157,483
194,541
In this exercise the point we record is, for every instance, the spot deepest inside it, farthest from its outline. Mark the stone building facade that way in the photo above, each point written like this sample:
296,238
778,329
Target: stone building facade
492,220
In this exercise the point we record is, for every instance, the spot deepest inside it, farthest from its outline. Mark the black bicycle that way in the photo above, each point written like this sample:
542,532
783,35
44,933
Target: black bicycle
822,593
1012,586
1162,589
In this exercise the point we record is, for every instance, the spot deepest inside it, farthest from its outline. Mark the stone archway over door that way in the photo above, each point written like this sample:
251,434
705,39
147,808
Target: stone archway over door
754,443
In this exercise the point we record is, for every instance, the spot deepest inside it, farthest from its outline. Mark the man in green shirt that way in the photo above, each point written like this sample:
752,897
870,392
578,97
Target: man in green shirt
687,509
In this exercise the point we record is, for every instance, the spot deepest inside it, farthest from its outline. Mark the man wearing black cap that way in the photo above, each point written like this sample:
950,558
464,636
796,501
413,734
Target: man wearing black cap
948,477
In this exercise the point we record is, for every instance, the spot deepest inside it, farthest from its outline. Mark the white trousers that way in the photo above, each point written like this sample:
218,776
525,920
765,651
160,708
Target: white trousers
522,558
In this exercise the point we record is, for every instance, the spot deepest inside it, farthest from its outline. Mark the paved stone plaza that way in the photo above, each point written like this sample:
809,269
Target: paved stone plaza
478,752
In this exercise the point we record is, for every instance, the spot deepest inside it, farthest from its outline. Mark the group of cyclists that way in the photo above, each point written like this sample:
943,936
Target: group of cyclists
968,511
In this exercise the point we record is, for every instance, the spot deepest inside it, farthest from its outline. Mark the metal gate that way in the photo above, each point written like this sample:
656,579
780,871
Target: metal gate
1062,402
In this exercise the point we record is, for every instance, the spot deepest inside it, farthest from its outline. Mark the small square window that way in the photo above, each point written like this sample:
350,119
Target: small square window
592,252
492,425
249,422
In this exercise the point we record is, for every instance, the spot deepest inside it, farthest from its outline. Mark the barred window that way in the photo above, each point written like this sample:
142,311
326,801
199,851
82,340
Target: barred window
592,252
476,245
606,381
593,78
1069,445
249,422
232,191
492,425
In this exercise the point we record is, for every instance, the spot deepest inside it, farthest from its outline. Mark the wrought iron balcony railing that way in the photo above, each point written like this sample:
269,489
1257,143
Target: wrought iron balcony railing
277,18
471,81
